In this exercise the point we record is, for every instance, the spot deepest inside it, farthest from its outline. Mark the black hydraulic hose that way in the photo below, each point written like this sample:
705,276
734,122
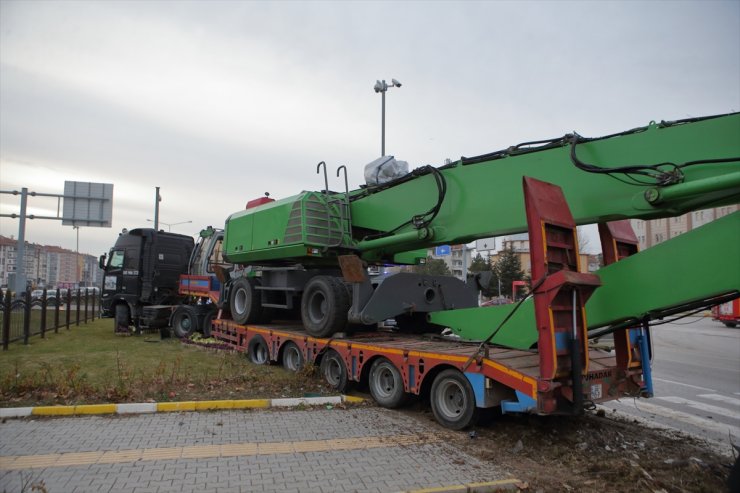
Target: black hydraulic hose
423,220
653,171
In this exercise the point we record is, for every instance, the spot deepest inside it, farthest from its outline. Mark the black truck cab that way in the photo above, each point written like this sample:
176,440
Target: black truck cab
143,269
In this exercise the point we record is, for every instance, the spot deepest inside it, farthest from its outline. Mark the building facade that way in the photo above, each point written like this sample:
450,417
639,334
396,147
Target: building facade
48,266
458,260
655,231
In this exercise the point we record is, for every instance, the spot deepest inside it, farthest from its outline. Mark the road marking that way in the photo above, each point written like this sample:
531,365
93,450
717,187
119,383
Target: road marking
708,408
721,398
685,385
707,424
20,462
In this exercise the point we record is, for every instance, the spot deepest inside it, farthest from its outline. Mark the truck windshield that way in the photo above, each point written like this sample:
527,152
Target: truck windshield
116,260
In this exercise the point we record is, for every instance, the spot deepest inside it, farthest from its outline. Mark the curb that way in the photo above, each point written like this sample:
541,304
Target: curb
164,407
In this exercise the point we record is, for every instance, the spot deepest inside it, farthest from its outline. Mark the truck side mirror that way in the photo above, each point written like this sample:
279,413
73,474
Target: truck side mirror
101,261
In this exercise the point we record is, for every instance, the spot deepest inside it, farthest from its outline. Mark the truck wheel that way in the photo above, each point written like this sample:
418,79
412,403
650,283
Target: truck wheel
292,357
453,400
324,306
244,301
184,321
730,325
386,384
257,351
335,371
122,319
207,322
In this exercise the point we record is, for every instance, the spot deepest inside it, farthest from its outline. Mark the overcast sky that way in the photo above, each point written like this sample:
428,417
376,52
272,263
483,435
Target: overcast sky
219,102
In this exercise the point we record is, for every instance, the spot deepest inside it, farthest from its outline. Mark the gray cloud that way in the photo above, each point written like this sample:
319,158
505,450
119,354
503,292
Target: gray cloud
219,102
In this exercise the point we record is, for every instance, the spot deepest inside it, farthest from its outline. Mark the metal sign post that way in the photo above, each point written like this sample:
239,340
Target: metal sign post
85,204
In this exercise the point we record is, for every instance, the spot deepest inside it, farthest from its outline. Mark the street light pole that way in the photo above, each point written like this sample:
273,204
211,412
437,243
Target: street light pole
382,88
169,225
157,200
382,124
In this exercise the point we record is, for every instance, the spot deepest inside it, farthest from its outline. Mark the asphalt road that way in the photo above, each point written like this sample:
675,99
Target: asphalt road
696,376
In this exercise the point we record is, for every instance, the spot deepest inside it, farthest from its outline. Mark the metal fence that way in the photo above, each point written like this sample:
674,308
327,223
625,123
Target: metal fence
26,317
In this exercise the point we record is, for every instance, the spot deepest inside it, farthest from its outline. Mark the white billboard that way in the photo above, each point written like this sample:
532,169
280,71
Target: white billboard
87,204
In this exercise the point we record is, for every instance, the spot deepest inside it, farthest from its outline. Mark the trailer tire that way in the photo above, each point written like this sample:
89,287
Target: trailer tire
324,306
257,351
121,318
453,400
292,358
244,301
386,384
184,321
335,371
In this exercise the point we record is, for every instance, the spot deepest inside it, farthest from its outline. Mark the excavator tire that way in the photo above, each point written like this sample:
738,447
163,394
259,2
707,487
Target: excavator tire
324,306
245,301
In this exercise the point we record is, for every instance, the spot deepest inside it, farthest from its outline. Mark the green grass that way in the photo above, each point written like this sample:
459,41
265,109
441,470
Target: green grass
90,364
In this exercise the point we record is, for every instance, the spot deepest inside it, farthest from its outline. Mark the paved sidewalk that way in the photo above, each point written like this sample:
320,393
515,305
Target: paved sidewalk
318,449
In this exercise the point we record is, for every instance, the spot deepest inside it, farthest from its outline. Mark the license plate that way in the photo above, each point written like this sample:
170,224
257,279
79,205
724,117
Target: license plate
596,391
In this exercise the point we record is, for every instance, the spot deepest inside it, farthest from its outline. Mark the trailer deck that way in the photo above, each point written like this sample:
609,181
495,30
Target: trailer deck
499,376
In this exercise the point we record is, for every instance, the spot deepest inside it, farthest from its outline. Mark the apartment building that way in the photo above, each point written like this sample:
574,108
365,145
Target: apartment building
48,266
650,233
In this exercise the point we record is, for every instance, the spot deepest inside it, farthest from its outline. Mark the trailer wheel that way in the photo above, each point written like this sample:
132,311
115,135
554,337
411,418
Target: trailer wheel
257,351
184,321
453,400
386,384
244,301
292,357
324,306
122,318
335,371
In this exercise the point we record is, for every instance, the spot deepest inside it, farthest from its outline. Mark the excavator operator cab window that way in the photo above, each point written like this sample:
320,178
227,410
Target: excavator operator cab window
216,257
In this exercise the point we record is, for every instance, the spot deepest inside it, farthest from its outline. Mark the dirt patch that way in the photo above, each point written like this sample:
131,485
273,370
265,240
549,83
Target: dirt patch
597,452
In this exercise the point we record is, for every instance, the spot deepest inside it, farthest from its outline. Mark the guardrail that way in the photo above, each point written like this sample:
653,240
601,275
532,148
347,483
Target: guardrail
26,317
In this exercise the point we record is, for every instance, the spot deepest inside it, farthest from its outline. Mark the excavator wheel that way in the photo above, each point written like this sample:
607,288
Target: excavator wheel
324,306
245,301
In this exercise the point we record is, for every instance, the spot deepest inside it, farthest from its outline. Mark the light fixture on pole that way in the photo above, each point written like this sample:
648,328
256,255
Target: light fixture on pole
169,225
381,86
